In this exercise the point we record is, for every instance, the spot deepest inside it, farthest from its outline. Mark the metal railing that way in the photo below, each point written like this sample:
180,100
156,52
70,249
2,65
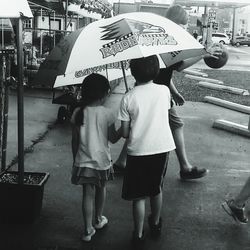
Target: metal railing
37,46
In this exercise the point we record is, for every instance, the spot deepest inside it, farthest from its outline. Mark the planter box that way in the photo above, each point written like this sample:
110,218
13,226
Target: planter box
21,204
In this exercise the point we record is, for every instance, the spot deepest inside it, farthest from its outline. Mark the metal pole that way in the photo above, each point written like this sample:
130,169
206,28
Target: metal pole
50,40
41,16
233,28
2,105
66,15
124,77
41,42
3,61
20,112
6,110
2,34
119,3
41,37
209,35
205,20
54,31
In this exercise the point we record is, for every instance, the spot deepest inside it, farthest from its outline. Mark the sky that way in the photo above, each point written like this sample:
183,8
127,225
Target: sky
170,1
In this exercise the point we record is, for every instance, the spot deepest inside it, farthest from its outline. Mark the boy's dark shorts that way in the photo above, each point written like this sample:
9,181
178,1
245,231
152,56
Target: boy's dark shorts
144,176
174,120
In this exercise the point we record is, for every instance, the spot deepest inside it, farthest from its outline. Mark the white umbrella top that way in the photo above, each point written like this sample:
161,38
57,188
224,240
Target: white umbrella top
101,45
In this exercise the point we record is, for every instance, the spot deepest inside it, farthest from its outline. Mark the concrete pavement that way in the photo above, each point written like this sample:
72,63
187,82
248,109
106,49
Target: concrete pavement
192,216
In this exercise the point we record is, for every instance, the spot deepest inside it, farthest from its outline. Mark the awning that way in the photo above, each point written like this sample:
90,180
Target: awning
214,3
15,9
38,7
74,8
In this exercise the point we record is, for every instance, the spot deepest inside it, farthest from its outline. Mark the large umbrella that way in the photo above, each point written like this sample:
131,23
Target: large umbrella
104,45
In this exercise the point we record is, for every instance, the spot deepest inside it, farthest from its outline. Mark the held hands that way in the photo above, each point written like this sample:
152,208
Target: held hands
178,99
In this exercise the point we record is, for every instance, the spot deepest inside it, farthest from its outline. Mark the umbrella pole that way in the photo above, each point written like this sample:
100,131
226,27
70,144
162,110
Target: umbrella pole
124,77
20,112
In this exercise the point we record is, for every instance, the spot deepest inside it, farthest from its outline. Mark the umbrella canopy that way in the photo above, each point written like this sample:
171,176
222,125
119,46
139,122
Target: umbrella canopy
15,9
101,45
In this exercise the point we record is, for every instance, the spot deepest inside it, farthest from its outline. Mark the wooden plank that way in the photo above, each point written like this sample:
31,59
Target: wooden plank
223,88
227,104
195,72
199,78
232,127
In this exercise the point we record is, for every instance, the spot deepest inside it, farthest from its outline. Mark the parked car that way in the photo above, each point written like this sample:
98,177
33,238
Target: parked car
218,38
240,40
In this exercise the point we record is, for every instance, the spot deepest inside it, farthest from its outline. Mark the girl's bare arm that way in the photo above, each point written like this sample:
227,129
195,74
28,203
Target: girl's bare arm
113,134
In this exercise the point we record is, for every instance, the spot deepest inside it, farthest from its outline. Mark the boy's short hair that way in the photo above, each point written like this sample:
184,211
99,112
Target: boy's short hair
145,69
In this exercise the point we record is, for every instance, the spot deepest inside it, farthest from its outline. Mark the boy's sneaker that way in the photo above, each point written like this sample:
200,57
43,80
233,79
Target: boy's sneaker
87,236
155,229
138,243
194,173
236,212
101,224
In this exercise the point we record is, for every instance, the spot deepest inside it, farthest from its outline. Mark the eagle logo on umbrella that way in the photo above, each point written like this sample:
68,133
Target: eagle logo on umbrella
126,33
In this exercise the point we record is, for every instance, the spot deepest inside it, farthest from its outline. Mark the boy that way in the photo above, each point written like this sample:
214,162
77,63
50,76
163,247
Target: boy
144,117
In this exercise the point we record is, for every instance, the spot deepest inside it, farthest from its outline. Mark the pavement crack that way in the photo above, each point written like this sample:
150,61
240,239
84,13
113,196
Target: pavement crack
30,148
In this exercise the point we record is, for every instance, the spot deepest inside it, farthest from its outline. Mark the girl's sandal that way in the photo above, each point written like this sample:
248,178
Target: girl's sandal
87,237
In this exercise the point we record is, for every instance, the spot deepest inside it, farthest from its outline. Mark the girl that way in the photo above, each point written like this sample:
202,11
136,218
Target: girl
92,129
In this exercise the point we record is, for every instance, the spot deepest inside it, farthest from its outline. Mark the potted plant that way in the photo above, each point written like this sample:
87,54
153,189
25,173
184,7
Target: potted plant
21,203
21,192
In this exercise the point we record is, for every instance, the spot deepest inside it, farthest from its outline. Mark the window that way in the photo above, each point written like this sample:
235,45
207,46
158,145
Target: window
27,23
55,24
243,21
218,35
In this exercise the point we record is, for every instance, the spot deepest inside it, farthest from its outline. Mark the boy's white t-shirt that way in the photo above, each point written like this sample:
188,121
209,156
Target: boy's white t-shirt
146,107
94,148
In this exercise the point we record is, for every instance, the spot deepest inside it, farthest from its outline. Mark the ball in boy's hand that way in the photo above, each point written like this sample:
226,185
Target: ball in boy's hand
219,56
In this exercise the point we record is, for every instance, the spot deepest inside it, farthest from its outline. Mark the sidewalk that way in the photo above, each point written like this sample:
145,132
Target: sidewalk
192,216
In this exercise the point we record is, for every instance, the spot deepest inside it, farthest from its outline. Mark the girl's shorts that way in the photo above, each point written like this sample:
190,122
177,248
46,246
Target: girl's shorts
144,176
